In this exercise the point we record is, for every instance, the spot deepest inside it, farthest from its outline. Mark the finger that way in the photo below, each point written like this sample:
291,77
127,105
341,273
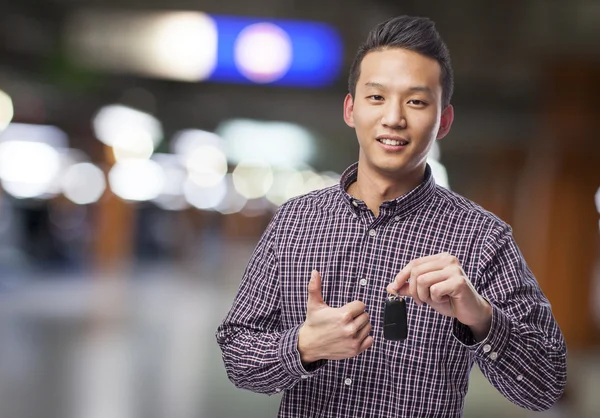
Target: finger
401,291
425,281
422,292
315,295
432,265
364,332
400,279
413,292
361,320
367,343
440,292
404,290
422,260
354,308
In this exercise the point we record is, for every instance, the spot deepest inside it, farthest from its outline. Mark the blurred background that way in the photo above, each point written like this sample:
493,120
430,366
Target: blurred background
144,147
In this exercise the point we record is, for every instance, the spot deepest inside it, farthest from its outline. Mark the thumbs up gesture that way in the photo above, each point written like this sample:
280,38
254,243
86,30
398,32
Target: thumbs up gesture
332,333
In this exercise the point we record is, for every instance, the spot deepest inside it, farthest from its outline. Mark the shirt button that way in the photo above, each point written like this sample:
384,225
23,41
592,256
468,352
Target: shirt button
304,376
354,203
397,218
348,381
520,377
277,390
372,232
494,355
363,282
487,348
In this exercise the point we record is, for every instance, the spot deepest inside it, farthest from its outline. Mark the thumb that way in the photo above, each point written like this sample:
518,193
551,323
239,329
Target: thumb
315,295
400,282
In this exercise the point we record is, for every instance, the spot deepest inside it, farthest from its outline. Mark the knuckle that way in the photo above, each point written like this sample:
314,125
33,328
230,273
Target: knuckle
449,270
346,317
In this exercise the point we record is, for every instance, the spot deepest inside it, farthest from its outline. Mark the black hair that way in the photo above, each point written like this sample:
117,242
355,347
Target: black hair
416,34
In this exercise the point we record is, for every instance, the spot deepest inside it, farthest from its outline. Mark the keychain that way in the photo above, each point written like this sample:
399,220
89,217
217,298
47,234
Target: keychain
395,326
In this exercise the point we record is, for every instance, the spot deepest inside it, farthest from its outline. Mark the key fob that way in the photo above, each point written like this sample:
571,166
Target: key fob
395,324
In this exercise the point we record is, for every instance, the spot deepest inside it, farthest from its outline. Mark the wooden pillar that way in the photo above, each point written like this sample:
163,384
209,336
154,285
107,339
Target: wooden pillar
114,229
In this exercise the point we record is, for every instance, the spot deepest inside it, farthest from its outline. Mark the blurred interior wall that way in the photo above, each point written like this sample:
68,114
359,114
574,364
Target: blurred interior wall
557,218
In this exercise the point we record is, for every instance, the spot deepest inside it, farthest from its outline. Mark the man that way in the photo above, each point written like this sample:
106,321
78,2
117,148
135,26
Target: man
308,316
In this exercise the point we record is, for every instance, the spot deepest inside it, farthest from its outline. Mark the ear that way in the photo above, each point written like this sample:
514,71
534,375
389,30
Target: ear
349,110
445,122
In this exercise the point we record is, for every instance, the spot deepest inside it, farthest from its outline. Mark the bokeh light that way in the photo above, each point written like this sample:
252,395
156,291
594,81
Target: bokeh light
285,185
252,180
136,180
6,110
184,46
133,143
171,196
207,197
178,45
184,142
263,52
28,169
206,165
83,183
121,123
232,202
274,143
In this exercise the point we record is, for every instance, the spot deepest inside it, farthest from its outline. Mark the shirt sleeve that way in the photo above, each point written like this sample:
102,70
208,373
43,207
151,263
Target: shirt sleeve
524,353
258,354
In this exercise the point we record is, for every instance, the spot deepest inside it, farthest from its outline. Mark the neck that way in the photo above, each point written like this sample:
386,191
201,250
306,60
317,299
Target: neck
375,188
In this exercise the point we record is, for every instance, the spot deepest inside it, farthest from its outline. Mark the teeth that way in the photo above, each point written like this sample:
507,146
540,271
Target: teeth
387,141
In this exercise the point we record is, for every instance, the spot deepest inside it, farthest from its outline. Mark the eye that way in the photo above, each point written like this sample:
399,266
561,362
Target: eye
375,97
417,102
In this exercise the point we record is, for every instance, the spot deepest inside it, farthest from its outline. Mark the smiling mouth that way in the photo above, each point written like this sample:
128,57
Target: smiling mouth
394,142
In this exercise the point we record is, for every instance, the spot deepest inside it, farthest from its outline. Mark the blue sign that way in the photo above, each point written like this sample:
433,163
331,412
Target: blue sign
276,52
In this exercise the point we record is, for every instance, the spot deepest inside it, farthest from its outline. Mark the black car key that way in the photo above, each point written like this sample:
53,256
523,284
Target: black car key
395,324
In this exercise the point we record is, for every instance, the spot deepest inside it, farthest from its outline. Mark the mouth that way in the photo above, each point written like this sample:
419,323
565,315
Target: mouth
392,141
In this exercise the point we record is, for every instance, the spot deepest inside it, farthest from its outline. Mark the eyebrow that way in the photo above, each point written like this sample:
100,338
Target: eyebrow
423,89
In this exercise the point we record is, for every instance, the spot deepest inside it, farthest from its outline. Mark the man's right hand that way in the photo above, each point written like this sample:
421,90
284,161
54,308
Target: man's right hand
332,333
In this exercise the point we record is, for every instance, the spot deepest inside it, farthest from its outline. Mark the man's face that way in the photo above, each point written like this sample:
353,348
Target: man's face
396,112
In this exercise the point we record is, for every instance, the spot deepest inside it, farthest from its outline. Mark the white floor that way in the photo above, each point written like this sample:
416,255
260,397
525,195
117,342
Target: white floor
142,345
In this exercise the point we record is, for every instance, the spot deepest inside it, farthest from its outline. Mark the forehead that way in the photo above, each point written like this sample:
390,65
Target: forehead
398,67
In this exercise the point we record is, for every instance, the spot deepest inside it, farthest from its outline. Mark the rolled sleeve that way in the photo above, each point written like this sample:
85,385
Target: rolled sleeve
493,347
290,356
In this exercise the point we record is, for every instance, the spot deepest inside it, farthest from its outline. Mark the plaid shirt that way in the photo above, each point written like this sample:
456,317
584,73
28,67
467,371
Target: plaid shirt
358,255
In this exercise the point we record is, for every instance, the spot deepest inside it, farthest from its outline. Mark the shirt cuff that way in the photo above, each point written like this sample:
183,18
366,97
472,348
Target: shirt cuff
494,345
290,356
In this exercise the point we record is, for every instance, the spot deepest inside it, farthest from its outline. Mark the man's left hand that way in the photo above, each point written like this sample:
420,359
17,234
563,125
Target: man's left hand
439,281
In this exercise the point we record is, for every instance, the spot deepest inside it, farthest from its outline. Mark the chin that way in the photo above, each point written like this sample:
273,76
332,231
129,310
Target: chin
392,171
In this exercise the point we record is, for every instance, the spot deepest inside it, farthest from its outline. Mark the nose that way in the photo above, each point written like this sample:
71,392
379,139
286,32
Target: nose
393,116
